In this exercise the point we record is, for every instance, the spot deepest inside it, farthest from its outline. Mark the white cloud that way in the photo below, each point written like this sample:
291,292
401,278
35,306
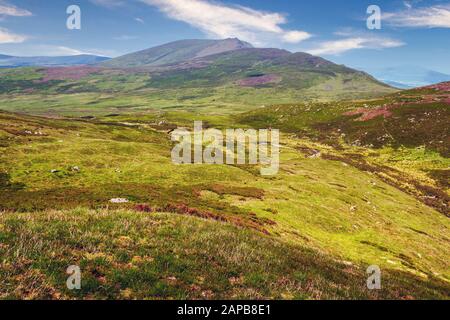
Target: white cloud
66,51
337,47
295,36
426,17
8,37
139,20
11,10
62,51
108,3
223,21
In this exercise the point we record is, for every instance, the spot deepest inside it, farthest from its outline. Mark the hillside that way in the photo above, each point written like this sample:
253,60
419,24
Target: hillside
403,138
225,75
309,232
133,255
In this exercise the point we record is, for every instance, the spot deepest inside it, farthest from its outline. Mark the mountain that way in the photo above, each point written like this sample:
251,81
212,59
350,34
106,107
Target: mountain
205,72
289,74
176,52
407,77
15,62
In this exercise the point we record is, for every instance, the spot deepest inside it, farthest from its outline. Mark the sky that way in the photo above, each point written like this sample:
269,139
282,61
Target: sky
413,32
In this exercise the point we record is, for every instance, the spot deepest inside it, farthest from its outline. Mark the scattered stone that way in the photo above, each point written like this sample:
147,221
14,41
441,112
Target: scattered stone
119,200
208,294
234,281
172,279
316,155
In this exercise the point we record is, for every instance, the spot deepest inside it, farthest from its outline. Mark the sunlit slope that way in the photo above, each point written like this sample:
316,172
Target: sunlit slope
327,205
134,255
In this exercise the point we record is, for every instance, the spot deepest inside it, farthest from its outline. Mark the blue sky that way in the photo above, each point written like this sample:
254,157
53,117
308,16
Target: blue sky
415,32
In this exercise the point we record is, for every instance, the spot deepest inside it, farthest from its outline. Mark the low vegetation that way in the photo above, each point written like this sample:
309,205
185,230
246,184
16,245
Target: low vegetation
86,179
129,255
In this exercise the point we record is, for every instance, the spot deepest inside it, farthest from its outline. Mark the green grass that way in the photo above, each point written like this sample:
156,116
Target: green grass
128,255
349,214
212,88
310,232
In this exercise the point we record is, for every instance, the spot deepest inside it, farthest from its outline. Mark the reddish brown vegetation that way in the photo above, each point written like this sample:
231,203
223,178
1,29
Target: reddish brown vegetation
369,114
444,86
247,192
428,195
68,73
386,110
249,221
257,81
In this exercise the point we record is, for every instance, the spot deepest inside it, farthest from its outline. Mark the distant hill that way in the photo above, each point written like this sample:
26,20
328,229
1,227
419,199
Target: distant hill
207,72
266,68
407,77
15,62
176,52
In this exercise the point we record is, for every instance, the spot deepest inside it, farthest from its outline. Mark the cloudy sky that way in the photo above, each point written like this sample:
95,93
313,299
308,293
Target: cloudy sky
414,32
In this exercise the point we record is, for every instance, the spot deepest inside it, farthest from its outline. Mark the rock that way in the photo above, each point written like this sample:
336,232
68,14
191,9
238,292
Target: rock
119,200
316,155
76,168
54,171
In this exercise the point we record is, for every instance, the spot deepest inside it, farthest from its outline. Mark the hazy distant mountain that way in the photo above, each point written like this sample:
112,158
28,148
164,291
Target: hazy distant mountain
14,62
176,52
408,76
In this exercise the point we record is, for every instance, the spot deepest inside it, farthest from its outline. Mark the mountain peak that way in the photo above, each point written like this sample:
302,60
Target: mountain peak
176,52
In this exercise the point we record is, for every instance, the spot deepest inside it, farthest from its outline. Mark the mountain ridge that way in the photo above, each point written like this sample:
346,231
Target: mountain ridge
206,71
7,61
176,52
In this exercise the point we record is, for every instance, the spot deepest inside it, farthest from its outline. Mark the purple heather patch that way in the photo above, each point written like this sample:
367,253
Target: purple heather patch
260,80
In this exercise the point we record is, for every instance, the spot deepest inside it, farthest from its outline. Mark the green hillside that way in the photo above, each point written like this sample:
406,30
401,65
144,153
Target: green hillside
335,208
225,76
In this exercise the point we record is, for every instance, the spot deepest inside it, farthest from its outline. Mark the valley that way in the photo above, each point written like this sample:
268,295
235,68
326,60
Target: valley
363,180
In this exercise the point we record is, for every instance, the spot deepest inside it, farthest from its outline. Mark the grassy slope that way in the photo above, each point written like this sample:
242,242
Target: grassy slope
348,214
129,255
408,148
332,208
212,87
